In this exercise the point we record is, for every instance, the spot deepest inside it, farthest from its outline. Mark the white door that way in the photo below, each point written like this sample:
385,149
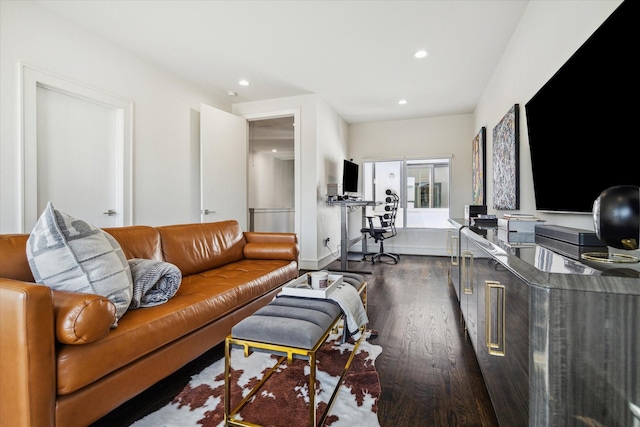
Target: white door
77,151
223,166
76,157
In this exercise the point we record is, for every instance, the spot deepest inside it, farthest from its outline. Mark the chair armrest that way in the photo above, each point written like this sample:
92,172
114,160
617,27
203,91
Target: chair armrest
380,219
27,362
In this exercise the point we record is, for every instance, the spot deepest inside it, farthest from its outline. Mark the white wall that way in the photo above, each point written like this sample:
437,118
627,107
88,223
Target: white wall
271,190
166,112
547,35
323,142
270,181
426,137
333,136
166,186
166,120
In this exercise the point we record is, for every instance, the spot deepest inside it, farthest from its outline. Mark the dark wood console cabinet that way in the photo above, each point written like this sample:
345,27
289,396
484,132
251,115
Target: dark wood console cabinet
557,341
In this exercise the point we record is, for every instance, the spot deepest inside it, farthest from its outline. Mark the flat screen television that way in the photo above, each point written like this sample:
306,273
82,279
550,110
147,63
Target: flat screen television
582,122
350,177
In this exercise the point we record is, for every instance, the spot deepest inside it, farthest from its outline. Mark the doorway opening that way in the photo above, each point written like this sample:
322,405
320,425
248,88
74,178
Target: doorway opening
271,174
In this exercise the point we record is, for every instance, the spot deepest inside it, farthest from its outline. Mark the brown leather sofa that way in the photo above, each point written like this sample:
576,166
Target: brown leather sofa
61,364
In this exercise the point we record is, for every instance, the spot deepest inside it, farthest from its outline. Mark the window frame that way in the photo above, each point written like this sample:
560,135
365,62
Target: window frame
433,219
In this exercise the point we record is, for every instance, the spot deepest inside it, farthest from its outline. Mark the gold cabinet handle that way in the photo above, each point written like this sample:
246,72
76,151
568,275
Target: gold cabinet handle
455,257
496,345
467,272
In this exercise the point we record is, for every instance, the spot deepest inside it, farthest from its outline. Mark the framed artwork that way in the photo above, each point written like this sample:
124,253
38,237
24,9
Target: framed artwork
506,159
479,167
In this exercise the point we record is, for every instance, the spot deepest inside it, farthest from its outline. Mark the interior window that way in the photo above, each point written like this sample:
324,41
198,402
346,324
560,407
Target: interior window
423,187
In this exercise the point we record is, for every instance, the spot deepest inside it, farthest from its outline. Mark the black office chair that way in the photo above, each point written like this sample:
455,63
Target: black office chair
385,230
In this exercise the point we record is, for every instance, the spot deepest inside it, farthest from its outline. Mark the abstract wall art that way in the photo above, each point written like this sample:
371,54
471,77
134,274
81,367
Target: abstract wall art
479,167
506,156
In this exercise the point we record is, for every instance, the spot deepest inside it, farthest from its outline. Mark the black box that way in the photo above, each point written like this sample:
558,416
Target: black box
568,241
475,211
568,249
575,236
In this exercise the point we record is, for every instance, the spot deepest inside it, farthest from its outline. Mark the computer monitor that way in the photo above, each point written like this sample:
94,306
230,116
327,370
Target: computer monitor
350,177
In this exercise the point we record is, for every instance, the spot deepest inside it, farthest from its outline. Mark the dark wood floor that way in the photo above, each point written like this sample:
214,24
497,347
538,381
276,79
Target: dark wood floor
428,371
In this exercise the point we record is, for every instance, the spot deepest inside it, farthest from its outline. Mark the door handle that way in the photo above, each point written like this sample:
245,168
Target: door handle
207,212
110,212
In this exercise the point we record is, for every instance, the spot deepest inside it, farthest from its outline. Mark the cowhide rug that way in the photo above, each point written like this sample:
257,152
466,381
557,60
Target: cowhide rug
283,400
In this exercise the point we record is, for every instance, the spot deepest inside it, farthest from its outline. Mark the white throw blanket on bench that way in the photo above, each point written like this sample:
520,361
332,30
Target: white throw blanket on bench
154,282
355,315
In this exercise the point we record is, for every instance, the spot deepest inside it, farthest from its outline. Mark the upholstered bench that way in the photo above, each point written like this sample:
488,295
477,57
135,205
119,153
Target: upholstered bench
290,327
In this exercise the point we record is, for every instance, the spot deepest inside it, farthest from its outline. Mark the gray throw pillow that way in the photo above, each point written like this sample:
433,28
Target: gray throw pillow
68,254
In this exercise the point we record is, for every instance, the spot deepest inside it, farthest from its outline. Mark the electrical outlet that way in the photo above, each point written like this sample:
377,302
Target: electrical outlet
325,242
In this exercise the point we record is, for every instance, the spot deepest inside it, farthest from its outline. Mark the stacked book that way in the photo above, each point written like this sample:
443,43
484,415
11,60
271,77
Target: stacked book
520,223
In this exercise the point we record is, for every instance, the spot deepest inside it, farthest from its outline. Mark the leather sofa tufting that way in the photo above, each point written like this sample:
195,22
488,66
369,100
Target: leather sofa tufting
61,362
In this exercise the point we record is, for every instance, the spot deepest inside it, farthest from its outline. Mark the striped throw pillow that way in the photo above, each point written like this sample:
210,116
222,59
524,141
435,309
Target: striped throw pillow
68,254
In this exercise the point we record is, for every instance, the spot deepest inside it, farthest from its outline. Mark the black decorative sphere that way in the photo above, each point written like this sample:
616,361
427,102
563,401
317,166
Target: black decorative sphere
616,216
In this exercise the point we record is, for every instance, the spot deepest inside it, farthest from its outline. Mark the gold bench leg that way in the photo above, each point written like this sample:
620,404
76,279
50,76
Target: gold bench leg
288,354
312,390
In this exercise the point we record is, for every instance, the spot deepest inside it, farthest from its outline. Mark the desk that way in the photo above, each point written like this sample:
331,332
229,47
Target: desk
345,243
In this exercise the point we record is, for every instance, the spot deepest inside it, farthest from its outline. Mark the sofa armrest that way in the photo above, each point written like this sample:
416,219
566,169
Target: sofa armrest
270,237
27,354
283,251
271,245
82,318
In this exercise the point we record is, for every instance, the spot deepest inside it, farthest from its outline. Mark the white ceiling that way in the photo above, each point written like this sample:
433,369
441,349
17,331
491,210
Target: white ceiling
356,55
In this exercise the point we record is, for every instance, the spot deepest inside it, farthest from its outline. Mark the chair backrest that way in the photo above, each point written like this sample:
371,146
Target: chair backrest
388,220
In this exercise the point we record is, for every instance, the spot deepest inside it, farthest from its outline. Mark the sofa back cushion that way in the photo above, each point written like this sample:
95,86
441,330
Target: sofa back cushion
138,241
195,248
14,264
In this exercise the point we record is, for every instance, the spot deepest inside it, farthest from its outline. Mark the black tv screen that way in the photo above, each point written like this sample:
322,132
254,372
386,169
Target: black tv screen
582,124
350,177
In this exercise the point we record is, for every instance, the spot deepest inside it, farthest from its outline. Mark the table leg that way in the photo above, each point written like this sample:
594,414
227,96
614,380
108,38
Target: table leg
344,241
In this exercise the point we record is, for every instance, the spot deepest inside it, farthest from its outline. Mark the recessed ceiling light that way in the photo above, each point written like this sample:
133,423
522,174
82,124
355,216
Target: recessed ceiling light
274,151
421,54
232,93
402,101
243,83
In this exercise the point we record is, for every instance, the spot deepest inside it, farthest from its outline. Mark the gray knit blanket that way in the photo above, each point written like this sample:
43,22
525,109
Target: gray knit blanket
154,282
352,307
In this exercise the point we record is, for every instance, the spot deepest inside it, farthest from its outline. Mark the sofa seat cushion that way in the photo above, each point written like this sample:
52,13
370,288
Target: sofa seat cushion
201,299
255,276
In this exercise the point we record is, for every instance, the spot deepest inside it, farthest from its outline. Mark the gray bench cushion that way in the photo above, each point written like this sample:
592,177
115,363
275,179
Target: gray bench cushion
289,321
354,279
